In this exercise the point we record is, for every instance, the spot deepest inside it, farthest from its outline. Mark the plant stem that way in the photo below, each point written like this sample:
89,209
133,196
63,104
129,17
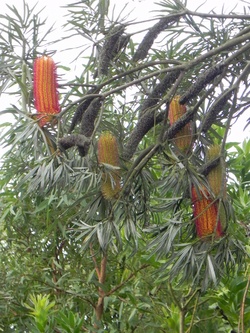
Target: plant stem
182,320
101,274
242,308
23,87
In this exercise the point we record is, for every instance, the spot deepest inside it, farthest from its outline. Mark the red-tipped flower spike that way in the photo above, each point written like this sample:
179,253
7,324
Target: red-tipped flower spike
207,219
45,89
183,138
108,154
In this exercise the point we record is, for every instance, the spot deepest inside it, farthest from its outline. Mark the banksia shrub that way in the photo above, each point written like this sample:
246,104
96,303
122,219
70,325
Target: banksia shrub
45,90
183,139
109,157
206,216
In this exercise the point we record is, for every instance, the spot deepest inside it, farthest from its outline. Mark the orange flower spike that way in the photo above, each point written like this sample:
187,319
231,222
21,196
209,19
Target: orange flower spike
183,138
45,89
206,216
108,154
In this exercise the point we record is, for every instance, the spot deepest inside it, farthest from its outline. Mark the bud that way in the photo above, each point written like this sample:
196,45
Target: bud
206,216
108,156
183,139
45,89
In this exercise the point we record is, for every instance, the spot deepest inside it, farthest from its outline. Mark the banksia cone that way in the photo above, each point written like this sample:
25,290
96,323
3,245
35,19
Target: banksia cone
183,138
217,181
216,177
108,154
206,216
45,89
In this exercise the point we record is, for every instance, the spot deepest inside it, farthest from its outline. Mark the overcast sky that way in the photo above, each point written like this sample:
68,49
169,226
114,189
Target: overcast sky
142,9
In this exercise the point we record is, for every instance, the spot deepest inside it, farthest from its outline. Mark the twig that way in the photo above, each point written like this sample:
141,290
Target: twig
126,280
192,318
222,16
94,261
242,308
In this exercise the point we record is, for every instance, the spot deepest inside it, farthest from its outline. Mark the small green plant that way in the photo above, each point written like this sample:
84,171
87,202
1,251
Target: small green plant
69,322
40,310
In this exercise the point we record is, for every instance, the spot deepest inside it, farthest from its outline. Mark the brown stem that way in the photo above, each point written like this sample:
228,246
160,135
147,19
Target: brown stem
103,269
101,274
100,302
182,320
95,261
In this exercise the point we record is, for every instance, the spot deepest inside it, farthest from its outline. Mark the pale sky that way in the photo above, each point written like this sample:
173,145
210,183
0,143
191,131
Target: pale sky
143,9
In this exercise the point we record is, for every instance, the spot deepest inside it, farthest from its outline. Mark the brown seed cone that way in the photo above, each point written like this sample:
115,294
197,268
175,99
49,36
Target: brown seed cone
152,34
108,154
202,80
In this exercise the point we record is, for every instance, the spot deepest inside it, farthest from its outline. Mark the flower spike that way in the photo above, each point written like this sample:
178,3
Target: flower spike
45,89
183,139
206,215
109,157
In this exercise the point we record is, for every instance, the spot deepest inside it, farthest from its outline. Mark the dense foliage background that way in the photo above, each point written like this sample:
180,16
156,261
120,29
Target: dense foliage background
72,261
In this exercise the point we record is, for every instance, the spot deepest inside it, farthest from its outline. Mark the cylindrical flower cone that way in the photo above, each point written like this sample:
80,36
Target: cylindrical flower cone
217,182
45,89
183,139
216,177
206,216
108,155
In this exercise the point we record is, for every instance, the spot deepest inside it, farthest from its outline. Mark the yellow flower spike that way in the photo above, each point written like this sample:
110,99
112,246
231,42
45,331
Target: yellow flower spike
108,156
216,177
217,182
